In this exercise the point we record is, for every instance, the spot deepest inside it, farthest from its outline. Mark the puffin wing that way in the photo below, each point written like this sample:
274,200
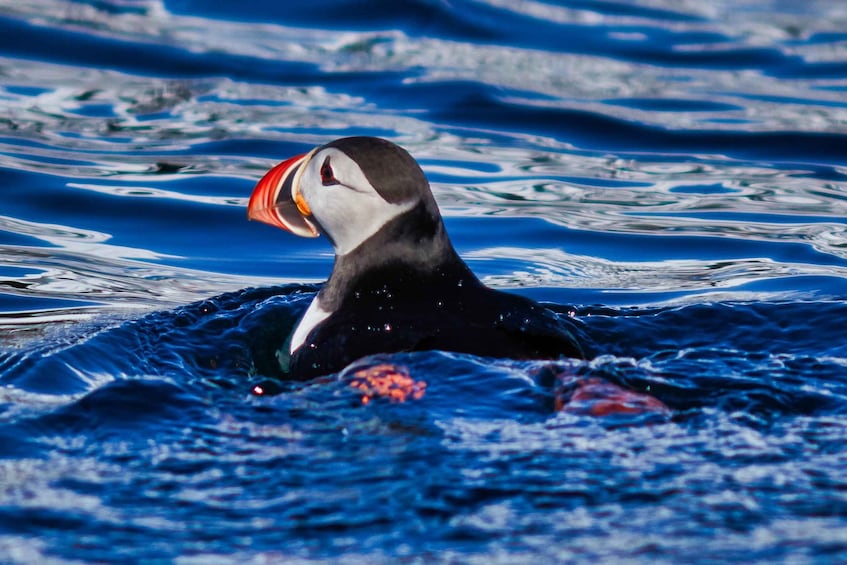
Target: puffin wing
489,324
530,330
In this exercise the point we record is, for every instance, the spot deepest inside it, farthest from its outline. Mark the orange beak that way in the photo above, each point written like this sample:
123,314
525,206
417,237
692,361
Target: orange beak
277,199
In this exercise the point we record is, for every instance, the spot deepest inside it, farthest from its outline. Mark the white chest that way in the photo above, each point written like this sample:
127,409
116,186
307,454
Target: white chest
314,315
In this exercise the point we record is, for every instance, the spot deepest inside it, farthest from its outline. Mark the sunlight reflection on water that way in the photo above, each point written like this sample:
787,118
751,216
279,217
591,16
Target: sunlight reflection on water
671,175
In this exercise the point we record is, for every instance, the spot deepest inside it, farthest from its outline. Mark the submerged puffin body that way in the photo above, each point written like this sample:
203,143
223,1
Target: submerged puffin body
397,283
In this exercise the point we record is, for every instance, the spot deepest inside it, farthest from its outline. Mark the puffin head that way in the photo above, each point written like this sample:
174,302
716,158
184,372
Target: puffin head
347,189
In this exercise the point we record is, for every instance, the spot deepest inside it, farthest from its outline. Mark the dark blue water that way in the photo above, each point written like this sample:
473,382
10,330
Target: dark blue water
672,175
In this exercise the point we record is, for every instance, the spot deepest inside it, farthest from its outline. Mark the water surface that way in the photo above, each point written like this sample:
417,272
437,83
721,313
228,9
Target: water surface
672,175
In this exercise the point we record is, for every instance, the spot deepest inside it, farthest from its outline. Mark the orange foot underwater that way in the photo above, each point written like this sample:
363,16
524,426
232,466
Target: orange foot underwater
597,397
387,381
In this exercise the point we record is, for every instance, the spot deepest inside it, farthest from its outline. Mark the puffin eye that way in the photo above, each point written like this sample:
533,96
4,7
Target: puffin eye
327,176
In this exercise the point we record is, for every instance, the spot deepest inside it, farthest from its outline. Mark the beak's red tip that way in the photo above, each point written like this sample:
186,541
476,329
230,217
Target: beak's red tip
263,200
273,203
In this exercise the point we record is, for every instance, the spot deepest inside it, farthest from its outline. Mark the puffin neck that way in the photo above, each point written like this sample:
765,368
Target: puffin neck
409,250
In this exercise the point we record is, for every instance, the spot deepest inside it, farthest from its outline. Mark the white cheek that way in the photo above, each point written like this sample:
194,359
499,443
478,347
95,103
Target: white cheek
349,216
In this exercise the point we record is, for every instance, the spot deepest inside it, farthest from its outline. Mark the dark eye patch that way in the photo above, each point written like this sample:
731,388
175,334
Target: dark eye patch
327,176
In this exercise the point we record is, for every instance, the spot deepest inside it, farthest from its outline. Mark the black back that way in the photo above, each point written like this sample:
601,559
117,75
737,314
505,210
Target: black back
472,319
406,289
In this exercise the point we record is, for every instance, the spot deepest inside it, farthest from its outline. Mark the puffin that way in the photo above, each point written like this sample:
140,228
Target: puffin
397,284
